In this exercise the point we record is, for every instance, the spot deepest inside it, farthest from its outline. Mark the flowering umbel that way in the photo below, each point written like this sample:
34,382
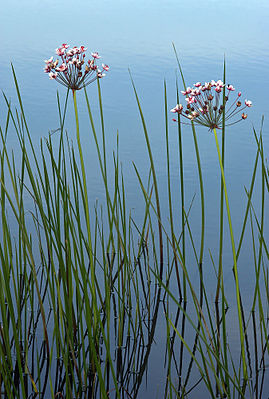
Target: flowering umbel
205,106
73,71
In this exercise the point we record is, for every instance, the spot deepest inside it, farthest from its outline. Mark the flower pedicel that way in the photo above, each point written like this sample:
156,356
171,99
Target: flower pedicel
204,108
73,71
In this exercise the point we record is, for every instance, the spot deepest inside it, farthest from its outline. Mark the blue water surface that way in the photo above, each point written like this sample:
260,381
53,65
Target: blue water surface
135,37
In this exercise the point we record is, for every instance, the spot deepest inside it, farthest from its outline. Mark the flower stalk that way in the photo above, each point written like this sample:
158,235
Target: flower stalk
241,329
73,72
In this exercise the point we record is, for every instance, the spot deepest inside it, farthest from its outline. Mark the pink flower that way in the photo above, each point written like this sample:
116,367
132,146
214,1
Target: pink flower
218,89
53,75
49,60
70,53
207,86
65,46
95,55
248,103
230,88
177,109
92,66
188,91
190,100
220,83
198,84
75,50
60,51
61,68
195,92
74,61
47,69
105,67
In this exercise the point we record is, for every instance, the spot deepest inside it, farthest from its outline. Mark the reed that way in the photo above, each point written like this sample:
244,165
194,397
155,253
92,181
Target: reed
87,291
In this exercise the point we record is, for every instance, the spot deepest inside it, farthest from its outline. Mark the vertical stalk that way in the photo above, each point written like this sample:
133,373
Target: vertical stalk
182,198
220,283
158,207
86,209
200,177
221,194
169,193
234,261
183,324
201,254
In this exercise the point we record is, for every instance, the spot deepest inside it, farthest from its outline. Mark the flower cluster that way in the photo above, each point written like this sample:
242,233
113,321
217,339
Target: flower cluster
206,105
73,71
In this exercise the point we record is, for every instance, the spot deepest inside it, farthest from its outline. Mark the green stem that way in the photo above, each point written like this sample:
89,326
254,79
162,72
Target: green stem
200,176
234,260
169,193
158,207
182,197
202,200
221,193
86,209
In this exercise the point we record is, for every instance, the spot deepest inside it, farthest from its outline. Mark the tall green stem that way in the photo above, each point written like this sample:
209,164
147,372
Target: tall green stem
202,200
182,197
200,177
221,191
169,193
234,260
86,209
158,207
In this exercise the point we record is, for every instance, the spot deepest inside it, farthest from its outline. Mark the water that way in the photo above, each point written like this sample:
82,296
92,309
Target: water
137,36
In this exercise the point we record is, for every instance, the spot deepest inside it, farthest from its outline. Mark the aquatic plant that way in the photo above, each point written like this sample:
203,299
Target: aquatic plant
70,72
101,286
205,107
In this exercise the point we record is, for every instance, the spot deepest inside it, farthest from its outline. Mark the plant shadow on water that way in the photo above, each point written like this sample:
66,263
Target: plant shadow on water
89,297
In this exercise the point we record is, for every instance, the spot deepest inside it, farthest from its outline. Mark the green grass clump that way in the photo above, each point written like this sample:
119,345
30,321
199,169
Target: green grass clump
86,292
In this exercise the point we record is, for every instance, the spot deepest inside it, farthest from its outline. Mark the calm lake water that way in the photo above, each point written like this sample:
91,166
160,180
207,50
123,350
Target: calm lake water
138,35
